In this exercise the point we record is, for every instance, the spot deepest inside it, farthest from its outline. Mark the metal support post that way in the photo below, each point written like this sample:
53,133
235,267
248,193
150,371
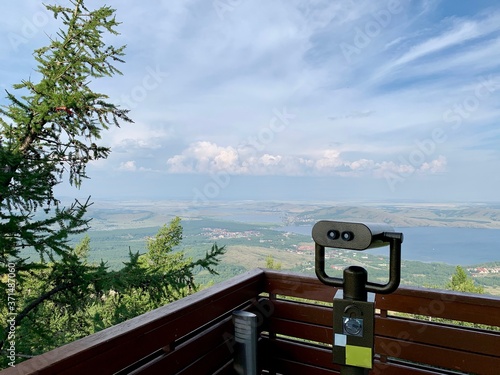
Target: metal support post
245,326
355,279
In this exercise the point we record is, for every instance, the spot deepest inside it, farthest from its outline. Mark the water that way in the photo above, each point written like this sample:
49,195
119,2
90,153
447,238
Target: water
464,246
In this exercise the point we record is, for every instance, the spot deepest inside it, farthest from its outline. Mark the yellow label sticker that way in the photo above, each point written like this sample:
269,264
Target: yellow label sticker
358,356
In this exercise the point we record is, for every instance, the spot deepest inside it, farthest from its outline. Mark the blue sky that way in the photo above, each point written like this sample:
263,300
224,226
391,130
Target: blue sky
293,100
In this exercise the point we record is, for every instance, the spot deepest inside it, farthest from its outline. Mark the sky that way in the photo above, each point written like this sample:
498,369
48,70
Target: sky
296,100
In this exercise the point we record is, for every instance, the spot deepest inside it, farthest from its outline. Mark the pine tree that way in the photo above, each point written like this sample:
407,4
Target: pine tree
271,264
461,282
51,128
49,132
108,298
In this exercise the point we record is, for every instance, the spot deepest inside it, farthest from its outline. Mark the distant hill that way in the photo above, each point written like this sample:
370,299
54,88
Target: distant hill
253,230
406,215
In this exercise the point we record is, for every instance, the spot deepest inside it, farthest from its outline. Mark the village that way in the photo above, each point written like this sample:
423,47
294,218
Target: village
483,271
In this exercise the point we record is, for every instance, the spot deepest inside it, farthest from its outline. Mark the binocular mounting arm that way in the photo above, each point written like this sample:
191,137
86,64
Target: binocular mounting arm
394,239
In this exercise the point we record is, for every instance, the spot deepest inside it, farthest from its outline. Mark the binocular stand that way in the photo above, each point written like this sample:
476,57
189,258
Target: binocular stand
354,302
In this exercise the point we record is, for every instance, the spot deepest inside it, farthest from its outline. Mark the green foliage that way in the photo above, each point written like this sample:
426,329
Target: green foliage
50,128
461,282
160,247
271,264
82,249
62,306
49,131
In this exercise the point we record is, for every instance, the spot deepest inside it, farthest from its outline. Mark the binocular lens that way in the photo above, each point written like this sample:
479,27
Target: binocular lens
347,236
333,234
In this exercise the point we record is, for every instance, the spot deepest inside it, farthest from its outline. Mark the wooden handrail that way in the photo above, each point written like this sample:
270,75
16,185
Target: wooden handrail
194,335
439,340
122,345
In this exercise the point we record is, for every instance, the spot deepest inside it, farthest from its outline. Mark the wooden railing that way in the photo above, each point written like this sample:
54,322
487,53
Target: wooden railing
436,343
194,335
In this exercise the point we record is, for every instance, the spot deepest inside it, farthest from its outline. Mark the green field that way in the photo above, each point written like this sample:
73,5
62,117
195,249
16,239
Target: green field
248,245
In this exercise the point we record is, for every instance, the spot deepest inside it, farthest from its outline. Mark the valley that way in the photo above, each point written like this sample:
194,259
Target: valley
252,231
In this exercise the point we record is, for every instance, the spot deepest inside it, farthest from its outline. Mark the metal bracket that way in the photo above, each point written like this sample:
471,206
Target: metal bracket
394,239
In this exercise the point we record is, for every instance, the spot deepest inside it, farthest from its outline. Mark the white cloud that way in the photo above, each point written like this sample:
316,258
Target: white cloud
138,137
225,77
209,158
461,32
268,160
362,164
329,161
204,157
435,166
177,164
389,167
128,166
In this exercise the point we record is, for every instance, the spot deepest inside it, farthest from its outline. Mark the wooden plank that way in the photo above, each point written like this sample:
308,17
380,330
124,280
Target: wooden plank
449,305
297,352
439,303
405,333
473,308
305,331
480,309
298,285
391,368
472,340
294,358
197,347
284,366
226,369
117,347
207,364
437,356
453,337
321,315
422,301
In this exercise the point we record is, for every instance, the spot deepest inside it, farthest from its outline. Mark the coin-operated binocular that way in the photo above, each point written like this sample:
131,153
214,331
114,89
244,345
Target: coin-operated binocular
353,310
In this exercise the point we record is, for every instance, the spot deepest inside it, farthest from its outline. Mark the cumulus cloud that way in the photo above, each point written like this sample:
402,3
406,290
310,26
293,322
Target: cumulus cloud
330,160
435,166
128,166
208,157
355,115
362,164
205,157
268,159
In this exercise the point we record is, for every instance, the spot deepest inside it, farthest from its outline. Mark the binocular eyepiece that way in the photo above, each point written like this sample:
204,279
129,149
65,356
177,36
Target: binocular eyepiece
357,236
351,236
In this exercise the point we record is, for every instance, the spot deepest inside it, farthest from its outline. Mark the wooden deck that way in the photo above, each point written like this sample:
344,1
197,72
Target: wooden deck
195,335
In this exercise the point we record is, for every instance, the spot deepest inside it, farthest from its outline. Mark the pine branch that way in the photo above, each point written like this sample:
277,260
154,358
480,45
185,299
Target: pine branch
24,313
